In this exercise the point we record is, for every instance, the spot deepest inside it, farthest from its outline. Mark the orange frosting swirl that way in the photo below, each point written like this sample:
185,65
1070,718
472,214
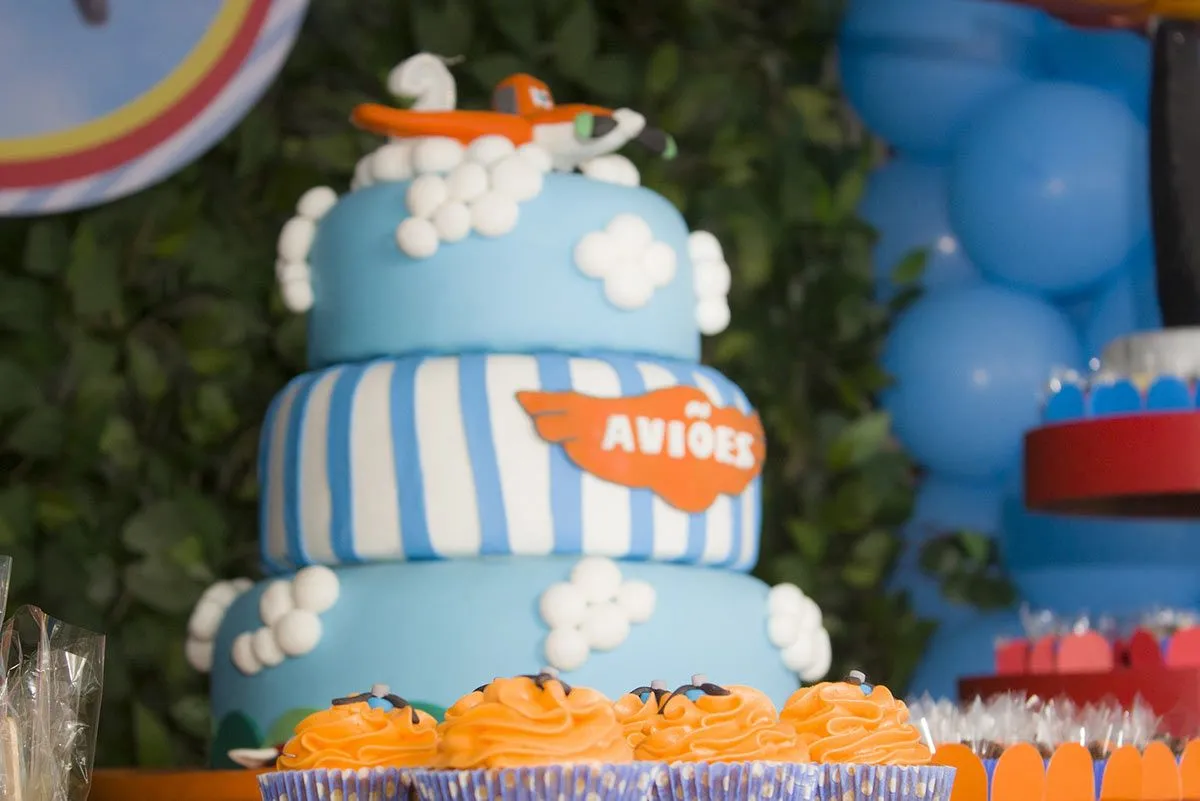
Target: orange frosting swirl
841,723
517,723
633,714
358,735
740,727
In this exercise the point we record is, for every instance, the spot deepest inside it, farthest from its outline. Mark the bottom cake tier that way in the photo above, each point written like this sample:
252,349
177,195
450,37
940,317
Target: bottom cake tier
433,631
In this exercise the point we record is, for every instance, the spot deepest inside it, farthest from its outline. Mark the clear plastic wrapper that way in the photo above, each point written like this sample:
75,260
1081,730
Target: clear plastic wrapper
50,705
989,727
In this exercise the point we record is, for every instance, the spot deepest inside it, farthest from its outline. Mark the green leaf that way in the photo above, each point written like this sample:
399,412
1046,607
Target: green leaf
155,528
849,192
809,540
162,586
57,508
16,515
752,238
38,434
119,443
610,77
818,114
191,712
93,276
575,40
910,268
18,388
153,739
514,20
23,304
490,70
861,440
443,26
663,71
978,548
47,248
149,377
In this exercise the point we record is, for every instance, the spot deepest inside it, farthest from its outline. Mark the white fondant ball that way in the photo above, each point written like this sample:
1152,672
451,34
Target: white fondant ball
537,156
628,288
315,589
362,173
515,177
298,632
809,615
438,154
783,629
297,296
222,594
242,654
494,214
612,169
784,599
562,605
630,233
266,649
393,162
809,657
605,626
711,279
659,263
452,221
241,585
288,271
199,654
275,602
703,246
467,182
487,150
206,619
712,316
316,202
597,577
425,194
637,600
417,237
594,254
296,238
566,649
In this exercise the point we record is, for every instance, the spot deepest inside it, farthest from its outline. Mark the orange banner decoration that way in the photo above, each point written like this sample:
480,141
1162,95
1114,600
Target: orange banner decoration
674,442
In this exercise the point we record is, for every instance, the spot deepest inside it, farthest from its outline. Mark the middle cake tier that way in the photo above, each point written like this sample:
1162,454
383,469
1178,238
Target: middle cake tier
461,456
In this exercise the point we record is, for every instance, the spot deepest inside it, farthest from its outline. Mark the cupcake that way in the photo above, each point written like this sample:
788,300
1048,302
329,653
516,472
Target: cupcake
354,749
638,707
533,738
723,743
867,748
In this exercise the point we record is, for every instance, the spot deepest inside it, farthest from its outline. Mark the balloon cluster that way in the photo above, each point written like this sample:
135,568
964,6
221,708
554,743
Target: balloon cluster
1020,167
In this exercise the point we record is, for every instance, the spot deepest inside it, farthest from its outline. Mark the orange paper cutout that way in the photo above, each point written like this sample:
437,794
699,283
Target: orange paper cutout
1160,774
1122,776
1071,775
1189,771
970,777
672,441
1020,775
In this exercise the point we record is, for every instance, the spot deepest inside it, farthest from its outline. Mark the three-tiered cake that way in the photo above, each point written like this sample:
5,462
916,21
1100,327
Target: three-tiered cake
506,453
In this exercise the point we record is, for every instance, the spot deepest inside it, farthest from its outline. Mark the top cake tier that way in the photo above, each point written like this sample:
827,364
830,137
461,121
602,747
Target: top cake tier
506,231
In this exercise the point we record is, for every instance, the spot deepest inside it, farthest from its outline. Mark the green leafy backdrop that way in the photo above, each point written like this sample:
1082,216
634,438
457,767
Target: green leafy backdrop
141,342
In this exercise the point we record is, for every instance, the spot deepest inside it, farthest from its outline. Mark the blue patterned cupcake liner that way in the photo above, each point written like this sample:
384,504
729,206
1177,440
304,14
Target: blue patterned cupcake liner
583,782
375,784
883,783
735,781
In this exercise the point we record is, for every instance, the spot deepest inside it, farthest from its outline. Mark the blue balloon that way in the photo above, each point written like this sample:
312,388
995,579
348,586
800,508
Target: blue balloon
1071,564
916,70
943,506
970,366
960,651
1049,188
905,202
1115,61
1126,304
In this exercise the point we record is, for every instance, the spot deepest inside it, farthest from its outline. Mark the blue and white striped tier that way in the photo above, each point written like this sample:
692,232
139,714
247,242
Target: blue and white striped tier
433,458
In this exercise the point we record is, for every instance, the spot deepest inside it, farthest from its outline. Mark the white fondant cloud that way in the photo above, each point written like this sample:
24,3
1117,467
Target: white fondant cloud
295,242
455,190
290,611
711,278
593,611
627,258
795,627
612,169
206,621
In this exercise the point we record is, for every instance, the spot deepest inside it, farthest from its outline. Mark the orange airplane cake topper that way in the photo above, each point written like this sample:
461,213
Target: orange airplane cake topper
674,441
524,111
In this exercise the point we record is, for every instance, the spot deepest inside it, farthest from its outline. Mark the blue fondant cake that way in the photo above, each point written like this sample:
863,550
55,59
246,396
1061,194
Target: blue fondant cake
506,454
